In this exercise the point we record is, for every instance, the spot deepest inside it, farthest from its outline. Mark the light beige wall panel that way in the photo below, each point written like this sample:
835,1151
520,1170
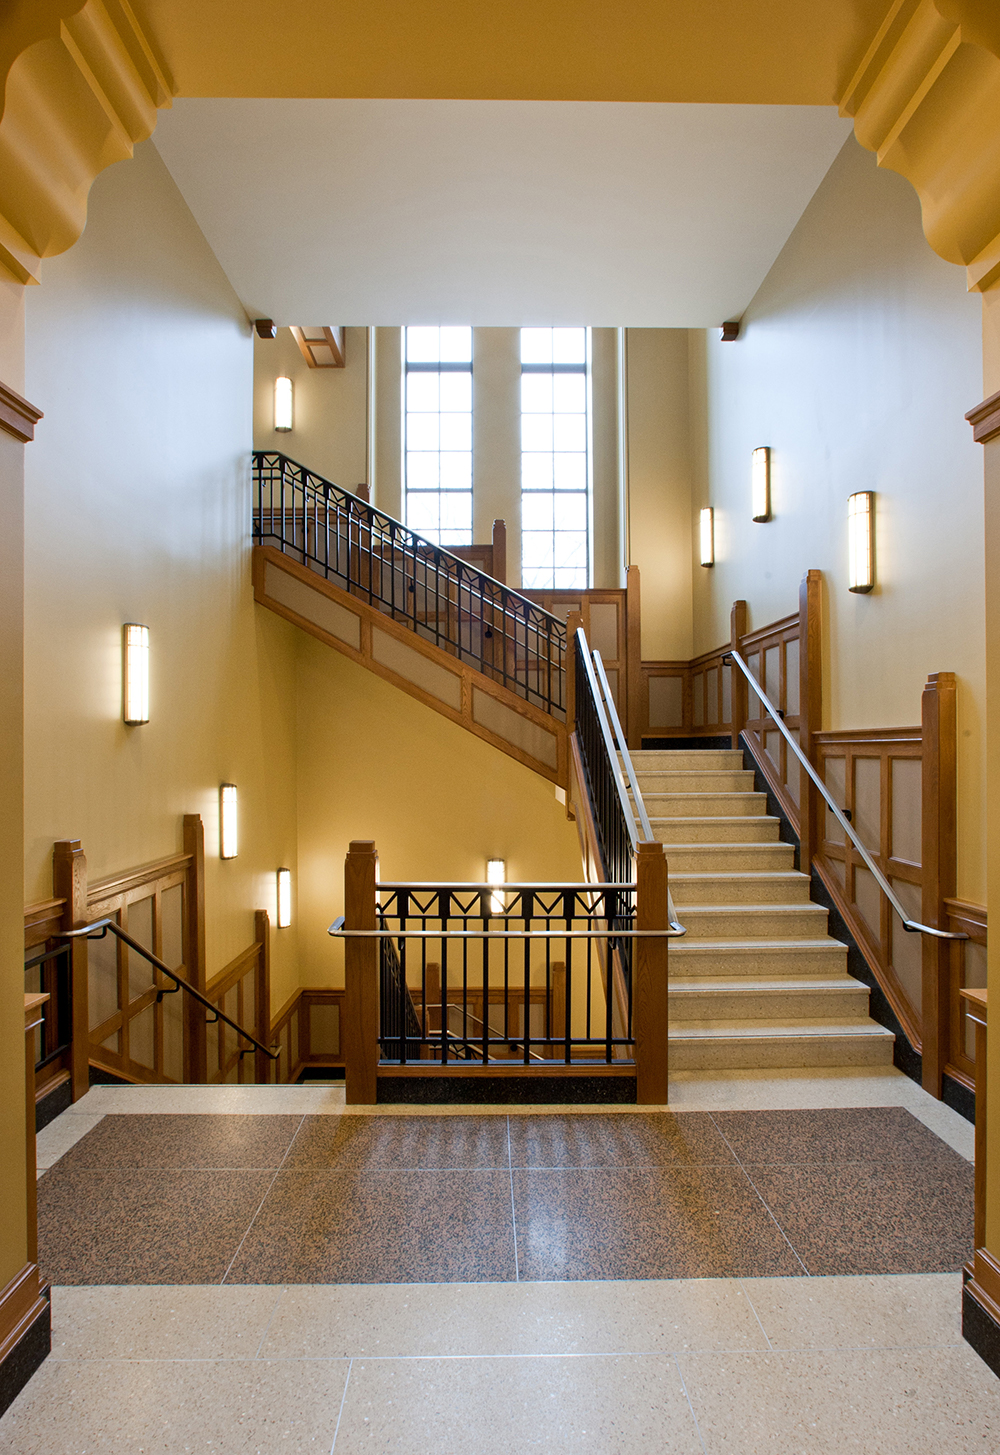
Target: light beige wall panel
330,421
856,362
608,554
139,490
376,764
659,487
388,483
496,439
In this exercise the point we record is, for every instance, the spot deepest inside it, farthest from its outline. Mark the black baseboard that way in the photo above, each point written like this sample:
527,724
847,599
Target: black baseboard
507,1090
50,1106
320,1073
688,745
26,1356
959,1098
980,1329
100,1077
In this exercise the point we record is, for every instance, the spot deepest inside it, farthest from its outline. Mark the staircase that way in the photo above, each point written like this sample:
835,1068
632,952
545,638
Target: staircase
757,981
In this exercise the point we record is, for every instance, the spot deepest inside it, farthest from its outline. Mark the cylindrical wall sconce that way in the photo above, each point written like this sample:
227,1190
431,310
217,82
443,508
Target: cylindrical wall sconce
496,874
135,673
228,842
861,541
283,404
760,479
706,535
284,898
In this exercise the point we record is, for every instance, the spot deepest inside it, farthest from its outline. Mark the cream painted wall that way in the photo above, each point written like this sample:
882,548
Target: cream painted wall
139,510
438,802
856,362
330,411
659,487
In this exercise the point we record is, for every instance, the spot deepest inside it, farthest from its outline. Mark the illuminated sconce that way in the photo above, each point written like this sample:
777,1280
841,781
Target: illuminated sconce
761,483
283,404
284,898
227,821
496,874
135,674
706,522
861,540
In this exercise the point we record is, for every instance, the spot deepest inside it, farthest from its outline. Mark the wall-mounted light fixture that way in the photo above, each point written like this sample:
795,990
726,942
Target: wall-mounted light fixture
861,540
706,535
760,478
283,403
496,873
228,843
284,898
135,673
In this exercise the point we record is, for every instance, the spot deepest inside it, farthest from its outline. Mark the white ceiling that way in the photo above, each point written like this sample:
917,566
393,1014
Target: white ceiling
496,212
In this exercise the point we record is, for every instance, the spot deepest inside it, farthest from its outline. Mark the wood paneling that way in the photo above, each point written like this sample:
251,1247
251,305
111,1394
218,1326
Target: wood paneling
361,964
17,416
321,347
966,971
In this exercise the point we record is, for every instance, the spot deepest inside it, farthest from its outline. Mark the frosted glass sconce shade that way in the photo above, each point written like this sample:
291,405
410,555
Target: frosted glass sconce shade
284,898
135,675
706,532
283,404
761,482
228,842
861,541
496,873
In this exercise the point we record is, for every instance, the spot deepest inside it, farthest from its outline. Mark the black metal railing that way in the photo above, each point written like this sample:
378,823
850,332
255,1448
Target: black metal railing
441,598
102,927
609,805
495,974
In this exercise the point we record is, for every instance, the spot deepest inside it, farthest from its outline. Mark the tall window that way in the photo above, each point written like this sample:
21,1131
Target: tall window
437,433
555,458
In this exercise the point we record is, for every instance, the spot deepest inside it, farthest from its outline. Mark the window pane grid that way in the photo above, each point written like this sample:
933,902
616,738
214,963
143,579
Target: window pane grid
437,433
555,458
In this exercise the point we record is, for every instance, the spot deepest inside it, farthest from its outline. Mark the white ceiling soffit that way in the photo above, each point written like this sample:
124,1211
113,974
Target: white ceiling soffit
496,212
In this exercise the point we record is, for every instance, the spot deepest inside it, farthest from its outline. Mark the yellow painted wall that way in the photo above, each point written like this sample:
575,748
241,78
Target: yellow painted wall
857,359
139,510
438,802
330,407
659,487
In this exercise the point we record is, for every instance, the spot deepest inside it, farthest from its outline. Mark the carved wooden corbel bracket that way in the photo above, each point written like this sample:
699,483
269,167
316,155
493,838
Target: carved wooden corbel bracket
926,100
81,86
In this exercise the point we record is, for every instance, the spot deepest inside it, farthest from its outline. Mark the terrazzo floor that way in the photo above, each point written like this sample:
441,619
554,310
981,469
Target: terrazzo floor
769,1265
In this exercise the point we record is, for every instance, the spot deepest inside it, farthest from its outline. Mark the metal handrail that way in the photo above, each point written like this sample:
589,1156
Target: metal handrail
626,758
103,925
553,933
912,926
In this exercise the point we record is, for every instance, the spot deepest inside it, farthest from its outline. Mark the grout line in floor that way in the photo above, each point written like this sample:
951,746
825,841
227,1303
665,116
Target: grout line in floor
340,1412
270,1321
273,1180
757,1193
697,1427
513,1213
755,1313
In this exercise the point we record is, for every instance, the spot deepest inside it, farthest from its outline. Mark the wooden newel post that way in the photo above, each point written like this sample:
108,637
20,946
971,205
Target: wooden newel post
737,682
938,862
500,551
810,710
196,1033
69,882
361,963
649,977
263,1065
573,623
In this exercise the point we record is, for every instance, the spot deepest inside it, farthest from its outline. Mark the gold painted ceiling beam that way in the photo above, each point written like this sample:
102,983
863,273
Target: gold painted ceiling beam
81,85
926,100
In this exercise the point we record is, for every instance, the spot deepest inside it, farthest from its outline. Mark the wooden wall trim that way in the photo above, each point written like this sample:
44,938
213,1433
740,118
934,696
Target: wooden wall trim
24,1303
874,736
17,416
749,641
985,419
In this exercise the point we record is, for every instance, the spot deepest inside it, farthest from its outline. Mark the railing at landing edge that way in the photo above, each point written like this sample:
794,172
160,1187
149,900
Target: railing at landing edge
443,599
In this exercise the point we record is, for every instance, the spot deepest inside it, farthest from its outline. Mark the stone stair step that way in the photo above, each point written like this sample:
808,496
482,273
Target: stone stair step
660,781
763,957
783,887
730,858
688,760
753,921
749,1045
701,828
700,805
709,1000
